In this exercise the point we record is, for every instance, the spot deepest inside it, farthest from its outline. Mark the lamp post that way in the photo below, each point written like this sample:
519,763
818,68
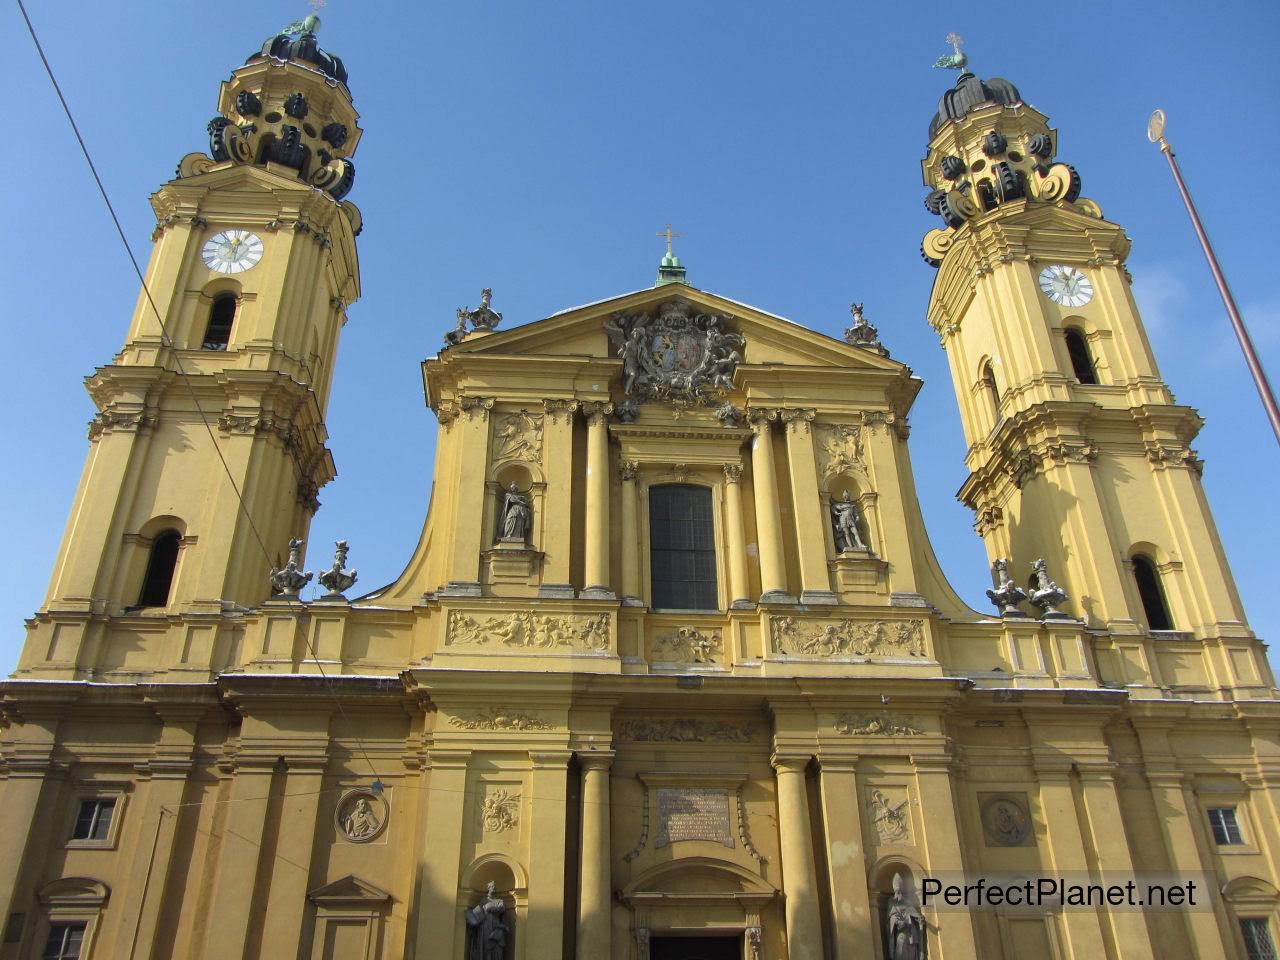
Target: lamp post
1155,133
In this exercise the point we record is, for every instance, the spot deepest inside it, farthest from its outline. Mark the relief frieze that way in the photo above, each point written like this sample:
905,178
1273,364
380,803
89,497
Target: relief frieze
882,724
518,436
499,718
687,645
526,629
847,638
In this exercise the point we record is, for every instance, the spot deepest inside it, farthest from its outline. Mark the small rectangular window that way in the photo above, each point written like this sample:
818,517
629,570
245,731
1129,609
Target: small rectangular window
1258,944
1226,831
94,820
65,941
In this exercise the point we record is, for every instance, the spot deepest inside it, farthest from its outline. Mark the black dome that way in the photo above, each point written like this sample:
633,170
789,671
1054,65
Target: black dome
306,49
969,93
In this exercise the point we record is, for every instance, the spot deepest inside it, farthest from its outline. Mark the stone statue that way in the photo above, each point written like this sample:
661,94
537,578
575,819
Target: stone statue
338,578
287,581
487,928
904,925
361,823
863,334
1045,594
844,519
516,515
1007,594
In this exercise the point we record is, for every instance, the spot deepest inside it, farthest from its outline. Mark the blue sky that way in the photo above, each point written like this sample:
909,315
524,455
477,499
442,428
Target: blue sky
537,148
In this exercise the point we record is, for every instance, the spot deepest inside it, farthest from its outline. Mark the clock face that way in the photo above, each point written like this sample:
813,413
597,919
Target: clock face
1066,286
232,251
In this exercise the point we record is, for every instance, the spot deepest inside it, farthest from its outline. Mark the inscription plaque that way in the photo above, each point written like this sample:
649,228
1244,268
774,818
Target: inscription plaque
686,813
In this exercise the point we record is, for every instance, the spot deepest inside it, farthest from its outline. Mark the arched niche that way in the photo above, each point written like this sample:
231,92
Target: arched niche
138,555
529,481
881,885
858,488
510,884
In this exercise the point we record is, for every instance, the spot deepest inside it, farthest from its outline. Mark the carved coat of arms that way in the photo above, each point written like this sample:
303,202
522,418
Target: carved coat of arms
675,355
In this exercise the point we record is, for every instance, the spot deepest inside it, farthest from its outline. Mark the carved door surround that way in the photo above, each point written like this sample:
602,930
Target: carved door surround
701,896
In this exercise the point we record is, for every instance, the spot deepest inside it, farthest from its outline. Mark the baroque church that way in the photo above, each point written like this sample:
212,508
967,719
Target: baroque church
673,672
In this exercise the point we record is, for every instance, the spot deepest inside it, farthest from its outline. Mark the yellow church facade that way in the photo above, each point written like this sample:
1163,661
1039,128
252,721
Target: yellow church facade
673,672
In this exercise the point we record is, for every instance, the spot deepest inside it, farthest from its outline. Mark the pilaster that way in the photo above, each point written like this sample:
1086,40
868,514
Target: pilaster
438,921
596,576
944,851
815,578
799,875
735,538
557,577
851,900
630,540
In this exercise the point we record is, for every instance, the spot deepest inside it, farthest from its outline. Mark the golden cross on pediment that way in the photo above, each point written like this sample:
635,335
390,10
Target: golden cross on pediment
669,235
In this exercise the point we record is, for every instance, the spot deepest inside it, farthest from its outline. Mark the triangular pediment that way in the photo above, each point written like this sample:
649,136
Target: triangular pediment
581,332
349,891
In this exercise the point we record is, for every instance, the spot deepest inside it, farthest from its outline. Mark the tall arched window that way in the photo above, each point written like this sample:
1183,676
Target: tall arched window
1153,605
1081,358
160,567
223,313
991,390
682,551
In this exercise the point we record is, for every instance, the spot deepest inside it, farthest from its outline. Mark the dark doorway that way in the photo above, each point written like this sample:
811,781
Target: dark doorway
696,948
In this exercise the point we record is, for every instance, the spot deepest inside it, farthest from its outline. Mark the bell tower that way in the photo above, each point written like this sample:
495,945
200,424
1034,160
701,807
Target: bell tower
1078,452
223,379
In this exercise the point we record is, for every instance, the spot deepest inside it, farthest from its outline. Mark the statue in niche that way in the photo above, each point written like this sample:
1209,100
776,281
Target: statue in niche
487,928
844,519
517,516
904,924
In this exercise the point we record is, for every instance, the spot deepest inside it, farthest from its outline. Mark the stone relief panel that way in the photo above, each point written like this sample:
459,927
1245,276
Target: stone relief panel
499,811
847,638
839,449
526,629
499,718
361,815
687,645
888,810
692,813
680,730
882,724
1006,820
517,436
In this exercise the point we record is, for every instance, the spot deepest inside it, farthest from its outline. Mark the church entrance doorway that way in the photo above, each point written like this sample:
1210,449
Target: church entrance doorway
695,948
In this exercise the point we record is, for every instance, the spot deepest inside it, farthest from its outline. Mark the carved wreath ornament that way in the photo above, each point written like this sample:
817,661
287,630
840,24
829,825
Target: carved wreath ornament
675,355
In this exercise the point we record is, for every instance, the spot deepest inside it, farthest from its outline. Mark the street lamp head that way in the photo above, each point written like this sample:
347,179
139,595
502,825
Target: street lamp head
1155,126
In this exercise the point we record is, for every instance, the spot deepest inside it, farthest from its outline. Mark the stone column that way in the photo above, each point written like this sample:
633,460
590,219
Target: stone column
851,901
773,570
1209,931
1066,849
945,855
544,939
471,455
1102,806
236,882
799,876
438,917
30,766
595,893
291,870
735,538
557,522
815,578
630,538
597,553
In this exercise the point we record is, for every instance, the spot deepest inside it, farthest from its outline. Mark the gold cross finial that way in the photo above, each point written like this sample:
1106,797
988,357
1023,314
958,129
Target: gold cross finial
669,237
953,38
316,5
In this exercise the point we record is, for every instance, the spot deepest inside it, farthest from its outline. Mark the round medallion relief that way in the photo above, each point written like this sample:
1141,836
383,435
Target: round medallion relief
1006,822
361,815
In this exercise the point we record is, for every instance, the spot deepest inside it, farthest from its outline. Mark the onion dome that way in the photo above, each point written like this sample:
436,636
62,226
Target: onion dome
969,94
302,47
